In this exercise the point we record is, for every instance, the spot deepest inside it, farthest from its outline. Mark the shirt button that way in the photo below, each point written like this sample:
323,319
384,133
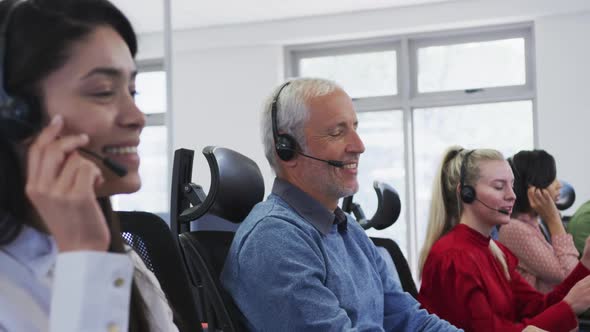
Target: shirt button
119,282
113,328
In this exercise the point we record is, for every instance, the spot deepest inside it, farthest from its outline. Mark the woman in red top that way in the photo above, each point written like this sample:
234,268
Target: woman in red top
469,279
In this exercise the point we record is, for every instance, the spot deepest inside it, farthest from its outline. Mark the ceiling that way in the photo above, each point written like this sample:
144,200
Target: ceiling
186,14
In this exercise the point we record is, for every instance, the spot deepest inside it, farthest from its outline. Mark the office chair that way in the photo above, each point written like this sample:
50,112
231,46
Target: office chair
236,186
388,211
401,264
567,197
389,207
152,240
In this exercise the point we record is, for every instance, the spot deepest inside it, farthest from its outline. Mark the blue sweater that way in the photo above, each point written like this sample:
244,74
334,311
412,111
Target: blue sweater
290,268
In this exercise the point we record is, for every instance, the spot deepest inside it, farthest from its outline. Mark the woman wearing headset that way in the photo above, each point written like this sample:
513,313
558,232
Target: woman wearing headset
63,265
468,278
542,263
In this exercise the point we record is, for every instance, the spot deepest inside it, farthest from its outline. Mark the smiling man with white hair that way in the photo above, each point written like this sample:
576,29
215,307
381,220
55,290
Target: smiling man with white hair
298,262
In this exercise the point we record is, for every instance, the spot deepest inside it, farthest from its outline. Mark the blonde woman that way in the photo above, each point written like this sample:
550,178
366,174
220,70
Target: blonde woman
469,279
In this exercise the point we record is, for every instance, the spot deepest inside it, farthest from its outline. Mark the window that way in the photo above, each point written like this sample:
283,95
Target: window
416,95
362,75
471,65
153,196
382,134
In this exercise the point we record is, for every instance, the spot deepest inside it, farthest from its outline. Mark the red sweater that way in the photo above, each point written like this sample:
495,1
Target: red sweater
464,284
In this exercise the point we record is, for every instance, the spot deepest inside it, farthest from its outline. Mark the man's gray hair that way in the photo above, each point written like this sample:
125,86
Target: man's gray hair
292,112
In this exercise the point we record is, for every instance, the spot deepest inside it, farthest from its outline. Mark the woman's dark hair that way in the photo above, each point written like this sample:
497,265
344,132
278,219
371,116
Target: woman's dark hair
531,168
39,37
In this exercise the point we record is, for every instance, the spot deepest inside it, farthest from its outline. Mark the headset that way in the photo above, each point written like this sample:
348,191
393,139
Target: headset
17,120
467,192
286,145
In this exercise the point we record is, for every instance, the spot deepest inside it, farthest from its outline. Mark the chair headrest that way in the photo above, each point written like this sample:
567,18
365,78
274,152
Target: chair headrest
236,186
389,207
567,196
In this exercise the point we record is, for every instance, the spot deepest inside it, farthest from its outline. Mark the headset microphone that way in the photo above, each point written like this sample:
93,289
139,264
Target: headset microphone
491,208
114,166
22,129
335,163
27,129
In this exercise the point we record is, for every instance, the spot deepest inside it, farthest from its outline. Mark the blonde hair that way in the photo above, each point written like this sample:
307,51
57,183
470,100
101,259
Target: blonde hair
446,207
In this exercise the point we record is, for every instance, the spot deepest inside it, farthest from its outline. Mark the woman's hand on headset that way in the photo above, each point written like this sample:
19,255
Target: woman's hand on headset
544,205
61,186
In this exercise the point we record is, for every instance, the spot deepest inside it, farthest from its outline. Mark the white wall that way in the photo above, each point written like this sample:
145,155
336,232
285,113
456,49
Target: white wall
222,74
218,94
563,88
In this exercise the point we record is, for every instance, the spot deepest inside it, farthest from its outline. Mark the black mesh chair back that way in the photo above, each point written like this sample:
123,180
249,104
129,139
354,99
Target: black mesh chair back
400,262
151,238
205,253
583,324
236,186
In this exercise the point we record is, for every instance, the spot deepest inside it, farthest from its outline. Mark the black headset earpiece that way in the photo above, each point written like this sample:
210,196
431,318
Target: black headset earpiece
285,144
286,147
16,119
467,192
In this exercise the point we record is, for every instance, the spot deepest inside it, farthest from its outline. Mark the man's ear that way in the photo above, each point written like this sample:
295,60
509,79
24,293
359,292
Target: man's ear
290,163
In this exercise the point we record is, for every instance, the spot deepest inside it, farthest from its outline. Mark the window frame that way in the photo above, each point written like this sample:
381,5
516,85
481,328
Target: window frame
146,66
296,53
158,119
486,95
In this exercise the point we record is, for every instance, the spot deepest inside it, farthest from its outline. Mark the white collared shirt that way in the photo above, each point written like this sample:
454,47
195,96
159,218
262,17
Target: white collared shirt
43,290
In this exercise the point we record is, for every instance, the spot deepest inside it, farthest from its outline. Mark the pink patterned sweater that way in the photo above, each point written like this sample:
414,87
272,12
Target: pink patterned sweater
542,264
